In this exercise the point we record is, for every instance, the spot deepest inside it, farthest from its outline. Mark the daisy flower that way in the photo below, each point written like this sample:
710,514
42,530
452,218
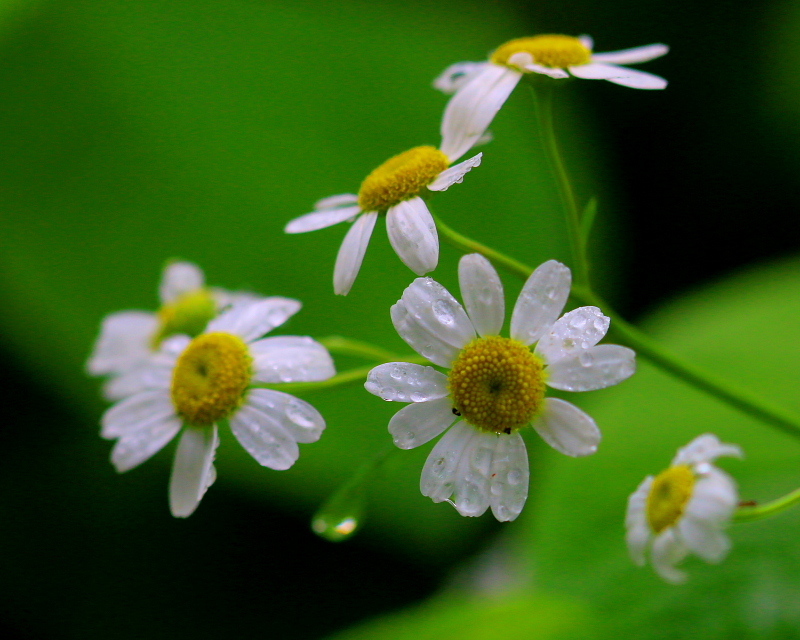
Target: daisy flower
683,509
128,339
495,386
193,384
397,190
481,88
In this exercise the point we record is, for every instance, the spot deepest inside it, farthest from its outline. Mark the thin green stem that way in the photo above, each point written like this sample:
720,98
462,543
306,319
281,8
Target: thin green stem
629,335
751,514
543,99
350,347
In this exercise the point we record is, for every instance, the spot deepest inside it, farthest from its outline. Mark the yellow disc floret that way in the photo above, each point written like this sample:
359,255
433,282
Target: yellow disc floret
401,178
211,378
669,496
497,384
187,314
555,51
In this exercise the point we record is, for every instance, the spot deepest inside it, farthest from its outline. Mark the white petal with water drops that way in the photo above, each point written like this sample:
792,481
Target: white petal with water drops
455,174
405,382
567,429
124,342
439,472
146,377
351,253
457,75
594,368
250,321
438,312
144,441
419,423
420,339
572,334
264,437
192,469
290,359
180,278
321,219
471,488
300,419
125,417
412,234
509,477
482,293
540,302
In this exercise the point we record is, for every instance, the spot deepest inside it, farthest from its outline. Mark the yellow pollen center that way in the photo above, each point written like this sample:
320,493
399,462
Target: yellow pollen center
188,314
669,496
554,51
497,384
401,178
211,378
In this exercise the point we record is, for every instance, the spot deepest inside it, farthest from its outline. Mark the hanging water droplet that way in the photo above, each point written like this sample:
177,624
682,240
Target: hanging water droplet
586,359
334,530
418,397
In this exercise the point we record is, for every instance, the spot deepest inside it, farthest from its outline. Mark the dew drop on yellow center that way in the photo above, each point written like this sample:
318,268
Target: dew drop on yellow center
188,314
211,378
555,51
401,178
669,496
497,384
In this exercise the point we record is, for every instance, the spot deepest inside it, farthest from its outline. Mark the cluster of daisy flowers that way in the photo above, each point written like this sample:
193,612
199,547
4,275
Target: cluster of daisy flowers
201,363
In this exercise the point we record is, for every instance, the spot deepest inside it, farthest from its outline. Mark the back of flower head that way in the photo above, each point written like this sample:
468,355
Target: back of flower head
191,385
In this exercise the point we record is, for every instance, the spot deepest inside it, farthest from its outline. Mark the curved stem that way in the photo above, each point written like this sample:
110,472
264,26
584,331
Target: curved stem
751,514
543,99
629,335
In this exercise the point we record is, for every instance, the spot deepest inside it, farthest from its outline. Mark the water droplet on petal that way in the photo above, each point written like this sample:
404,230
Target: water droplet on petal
443,310
514,476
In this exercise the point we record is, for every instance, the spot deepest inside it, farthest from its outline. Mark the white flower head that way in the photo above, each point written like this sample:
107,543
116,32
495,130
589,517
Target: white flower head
495,385
191,385
481,88
683,509
128,339
395,189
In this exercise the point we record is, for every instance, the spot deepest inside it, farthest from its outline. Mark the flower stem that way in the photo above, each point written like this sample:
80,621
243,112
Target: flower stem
760,512
630,336
543,99
350,347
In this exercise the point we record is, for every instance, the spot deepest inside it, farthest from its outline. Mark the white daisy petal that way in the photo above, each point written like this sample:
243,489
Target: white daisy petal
558,74
321,219
704,539
264,438
567,429
290,359
413,236
638,530
425,343
124,417
457,75
618,75
351,253
482,293
420,422
180,278
251,321
633,55
301,420
586,41
192,469
226,299
472,109
455,174
573,334
594,368
438,312
714,498
340,200
705,448
144,441
508,477
405,382
142,378
123,343
666,553
540,302
438,475
471,481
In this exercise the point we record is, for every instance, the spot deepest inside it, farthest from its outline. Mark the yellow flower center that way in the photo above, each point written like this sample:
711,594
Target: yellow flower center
669,496
554,51
211,378
497,384
188,314
401,178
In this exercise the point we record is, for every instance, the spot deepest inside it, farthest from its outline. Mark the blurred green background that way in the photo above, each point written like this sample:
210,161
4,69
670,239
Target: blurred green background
135,132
